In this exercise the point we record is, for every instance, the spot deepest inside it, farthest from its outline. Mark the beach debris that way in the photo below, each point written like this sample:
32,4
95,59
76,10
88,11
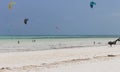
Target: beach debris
5,68
11,5
92,3
111,55
26,20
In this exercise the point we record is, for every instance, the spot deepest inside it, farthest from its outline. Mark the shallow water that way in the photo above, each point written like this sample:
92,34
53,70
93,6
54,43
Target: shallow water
35,43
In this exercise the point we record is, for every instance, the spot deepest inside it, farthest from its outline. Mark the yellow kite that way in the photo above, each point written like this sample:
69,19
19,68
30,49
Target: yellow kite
11,4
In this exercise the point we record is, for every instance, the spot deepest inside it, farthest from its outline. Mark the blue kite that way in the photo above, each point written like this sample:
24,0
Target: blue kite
92,4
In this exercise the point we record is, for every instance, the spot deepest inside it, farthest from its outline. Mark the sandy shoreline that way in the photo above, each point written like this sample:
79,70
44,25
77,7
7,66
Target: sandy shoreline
43,61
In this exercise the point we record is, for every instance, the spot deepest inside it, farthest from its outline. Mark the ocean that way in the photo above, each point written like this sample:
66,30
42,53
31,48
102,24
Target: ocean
55,36
48,42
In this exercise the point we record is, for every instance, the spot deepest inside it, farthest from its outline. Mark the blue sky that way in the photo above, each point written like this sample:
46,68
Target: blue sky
60,17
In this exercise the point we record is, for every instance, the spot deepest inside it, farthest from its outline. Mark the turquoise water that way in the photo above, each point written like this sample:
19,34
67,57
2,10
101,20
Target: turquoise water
36,43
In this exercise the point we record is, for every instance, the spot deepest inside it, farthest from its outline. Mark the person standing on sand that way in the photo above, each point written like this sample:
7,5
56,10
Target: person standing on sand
94,43
18,42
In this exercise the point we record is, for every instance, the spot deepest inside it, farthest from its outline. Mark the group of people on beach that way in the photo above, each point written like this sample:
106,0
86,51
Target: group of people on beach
19,41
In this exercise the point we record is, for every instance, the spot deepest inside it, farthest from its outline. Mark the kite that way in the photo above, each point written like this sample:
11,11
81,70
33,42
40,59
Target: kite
57,28
11,4
92,4
26,20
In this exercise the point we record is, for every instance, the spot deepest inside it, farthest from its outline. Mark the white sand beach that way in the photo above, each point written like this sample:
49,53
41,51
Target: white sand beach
87,59
59,36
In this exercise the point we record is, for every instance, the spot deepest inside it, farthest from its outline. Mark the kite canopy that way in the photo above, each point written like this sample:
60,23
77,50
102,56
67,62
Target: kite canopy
57,28
92,4
11,4
26,20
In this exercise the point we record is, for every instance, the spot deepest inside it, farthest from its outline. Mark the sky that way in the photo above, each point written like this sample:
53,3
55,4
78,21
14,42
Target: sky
60,17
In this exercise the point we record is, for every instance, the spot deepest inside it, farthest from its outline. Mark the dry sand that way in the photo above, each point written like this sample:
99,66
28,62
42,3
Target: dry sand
87,59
